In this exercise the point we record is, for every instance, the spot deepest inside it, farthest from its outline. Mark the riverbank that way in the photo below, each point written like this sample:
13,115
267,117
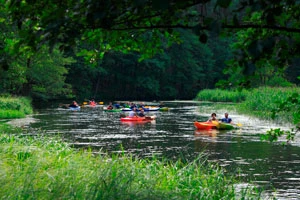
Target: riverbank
41,167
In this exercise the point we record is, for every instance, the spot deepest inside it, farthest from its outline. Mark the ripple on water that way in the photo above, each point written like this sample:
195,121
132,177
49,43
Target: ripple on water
173,135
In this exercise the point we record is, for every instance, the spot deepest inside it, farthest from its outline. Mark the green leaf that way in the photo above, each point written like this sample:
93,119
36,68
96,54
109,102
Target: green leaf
223,3
161,4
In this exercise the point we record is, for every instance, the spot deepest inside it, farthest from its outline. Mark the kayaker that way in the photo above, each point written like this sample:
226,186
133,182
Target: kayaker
141,113
73,104
132,105
226,119
132,113
213,117
92,102
110,106
117,105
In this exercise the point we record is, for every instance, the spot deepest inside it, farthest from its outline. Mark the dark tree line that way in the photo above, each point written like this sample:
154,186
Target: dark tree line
145,49
179,72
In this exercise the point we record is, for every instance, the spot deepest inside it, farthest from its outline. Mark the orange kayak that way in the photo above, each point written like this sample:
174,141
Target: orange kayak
205,125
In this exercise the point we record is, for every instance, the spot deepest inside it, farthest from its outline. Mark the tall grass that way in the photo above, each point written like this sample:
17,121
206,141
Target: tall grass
14,107
261,101
45,168
218,95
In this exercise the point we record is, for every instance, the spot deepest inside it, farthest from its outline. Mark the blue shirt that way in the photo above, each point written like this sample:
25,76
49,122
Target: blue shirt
226,120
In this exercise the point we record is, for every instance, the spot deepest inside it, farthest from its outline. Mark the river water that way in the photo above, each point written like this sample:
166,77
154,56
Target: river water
172,135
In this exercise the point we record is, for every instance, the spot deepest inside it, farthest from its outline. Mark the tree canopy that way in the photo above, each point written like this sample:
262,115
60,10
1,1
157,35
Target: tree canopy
263,37
119,25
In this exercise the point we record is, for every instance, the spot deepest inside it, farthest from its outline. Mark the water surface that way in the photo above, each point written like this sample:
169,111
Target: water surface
173,136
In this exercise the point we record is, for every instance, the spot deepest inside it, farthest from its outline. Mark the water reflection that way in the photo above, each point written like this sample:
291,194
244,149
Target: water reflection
172,135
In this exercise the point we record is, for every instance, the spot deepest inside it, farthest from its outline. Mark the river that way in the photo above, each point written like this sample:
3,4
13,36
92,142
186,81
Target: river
172,135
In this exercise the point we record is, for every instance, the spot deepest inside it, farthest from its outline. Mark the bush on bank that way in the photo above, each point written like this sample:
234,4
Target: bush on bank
14,107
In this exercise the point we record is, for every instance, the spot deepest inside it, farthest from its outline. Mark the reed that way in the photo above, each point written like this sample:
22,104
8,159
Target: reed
11,114
14,107
261,101
40,167
218,95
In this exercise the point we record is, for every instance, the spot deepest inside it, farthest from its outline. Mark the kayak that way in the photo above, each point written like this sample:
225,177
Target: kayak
163,109
205,125
223,126
147,109
137,119
112,110
92,106
126,109
74,108
213,125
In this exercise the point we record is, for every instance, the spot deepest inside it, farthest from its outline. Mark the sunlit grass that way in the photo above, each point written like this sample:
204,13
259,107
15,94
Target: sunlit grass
39,167
11,114
14,107
218,95
260,102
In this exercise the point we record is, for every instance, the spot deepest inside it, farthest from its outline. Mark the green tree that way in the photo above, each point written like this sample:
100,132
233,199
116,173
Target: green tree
42,75
119,24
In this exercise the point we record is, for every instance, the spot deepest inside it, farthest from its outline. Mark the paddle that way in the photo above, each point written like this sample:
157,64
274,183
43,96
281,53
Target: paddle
149,118
239,124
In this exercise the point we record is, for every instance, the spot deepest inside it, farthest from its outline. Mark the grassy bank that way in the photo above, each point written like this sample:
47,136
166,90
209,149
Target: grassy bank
46,168
218,95
14,107
258,102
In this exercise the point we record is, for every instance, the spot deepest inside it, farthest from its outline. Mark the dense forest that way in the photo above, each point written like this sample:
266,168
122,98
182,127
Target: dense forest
78,50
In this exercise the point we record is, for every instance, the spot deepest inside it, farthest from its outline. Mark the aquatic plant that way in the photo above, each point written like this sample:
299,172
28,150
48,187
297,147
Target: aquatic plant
219,95
262,101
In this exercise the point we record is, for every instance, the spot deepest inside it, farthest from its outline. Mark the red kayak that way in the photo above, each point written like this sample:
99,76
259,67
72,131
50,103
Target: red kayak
137,119
205,125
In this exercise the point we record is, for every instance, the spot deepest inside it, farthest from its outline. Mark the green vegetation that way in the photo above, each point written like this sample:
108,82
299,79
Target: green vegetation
153,51
259,102
219,95
262,101
39,167
14,107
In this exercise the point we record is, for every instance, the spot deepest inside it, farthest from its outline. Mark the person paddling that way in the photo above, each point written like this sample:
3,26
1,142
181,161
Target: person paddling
132,113
213,117
226,119
141,113
110,106
73,104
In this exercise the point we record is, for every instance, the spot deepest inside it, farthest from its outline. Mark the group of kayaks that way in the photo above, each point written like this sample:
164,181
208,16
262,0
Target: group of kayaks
207,125
146,109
